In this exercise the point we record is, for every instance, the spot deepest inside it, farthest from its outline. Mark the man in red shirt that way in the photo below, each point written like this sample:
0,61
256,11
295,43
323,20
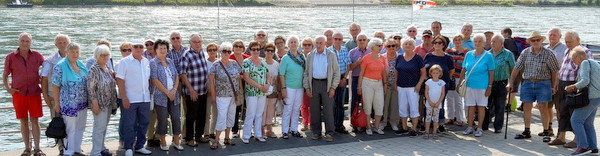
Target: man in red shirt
23,66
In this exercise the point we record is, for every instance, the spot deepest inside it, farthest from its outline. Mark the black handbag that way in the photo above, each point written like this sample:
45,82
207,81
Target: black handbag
579,98
56,129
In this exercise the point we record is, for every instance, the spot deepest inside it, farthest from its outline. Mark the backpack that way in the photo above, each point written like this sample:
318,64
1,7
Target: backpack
521,43
56,129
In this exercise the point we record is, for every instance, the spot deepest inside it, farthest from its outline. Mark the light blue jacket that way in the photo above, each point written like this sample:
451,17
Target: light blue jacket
584,77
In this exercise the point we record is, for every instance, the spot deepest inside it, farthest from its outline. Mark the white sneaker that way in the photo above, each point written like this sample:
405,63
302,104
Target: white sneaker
164,148
478,133
143,151
395,128
246,141
380,132
261,139
369,132
468,131
382,126
129,152
177,147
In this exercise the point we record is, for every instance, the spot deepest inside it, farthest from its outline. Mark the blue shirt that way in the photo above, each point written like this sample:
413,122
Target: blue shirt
343,57
292,71
409,72
479,79
469,44
351,44
320,60
73,87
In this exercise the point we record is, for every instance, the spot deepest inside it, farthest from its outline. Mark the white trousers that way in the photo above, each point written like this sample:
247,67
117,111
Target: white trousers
454,105
99,132
75,128
408,101
225,113
255,106
291,111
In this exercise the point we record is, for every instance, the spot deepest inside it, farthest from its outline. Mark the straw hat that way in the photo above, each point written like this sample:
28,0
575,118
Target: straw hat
535,35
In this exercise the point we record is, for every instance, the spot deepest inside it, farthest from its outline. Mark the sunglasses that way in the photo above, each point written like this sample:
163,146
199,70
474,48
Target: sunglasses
238,46
138,47
270,50
261,35
226,51
391,46
175,38
536,40
361,40
254,49
412,31
211,50
427,36
397,38
306,45
439,42
149,44
126,50
277,43
338,39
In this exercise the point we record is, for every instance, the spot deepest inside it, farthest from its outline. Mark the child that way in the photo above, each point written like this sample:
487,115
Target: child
434,93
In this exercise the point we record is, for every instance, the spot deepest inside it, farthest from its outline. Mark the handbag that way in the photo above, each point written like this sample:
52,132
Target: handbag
56,129
237,94
462,88
359,118
579,98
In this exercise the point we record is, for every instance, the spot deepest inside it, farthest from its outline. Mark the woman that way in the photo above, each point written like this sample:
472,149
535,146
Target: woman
223,94
211,109
69,83
290,76
479,68
307,47
455,103
239,57
390,106
103,95
582,119
255,75
410,76
269,112
163,74
439,57
280,46
372,78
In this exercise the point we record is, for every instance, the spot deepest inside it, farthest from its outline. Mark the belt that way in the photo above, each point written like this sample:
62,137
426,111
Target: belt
536,80
319,79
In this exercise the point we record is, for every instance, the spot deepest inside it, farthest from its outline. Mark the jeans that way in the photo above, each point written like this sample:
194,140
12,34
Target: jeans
338,108
135,124
496,102
582,122
99,132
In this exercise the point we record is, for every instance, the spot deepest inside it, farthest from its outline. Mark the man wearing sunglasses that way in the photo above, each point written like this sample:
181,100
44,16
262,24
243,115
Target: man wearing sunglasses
343,60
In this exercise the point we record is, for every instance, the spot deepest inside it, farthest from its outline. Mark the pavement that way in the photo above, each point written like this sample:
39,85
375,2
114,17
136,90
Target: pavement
450,143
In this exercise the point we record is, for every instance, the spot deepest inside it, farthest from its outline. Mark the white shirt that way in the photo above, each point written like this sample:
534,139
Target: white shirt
319,64
558,51
136,75
435,90
47,68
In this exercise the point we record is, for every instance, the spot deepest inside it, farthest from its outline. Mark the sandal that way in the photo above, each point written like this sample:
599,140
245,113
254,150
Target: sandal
229,142
522,136
191,143
459,123
546,139
26,152
38,152
214,144
426,136
435,136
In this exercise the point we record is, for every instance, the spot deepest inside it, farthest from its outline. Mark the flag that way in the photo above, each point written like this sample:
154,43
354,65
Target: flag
422,4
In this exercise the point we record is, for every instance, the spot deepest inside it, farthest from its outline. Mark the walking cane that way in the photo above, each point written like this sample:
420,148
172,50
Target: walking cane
506,124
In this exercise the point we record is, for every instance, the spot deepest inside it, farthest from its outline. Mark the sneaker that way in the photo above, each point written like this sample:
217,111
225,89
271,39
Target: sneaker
341,131
261,139
401,132
164,148
328,138
581,151
297,134
369,132
246,141
395,128
235,135
177,147
594,152
129,152
105,152
285,136
442,129
412,133
468,131
479,133
382,126
380,132
143,151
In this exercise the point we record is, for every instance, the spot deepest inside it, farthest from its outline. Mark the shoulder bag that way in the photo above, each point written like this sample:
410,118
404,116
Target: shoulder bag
579,98
237,94
462,87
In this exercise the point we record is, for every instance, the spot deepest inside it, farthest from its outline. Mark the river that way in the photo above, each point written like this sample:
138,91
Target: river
87,25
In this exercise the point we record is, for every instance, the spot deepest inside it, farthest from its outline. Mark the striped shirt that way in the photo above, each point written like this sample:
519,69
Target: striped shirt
504,61
568,69
537,66
343,58
458,59
194,65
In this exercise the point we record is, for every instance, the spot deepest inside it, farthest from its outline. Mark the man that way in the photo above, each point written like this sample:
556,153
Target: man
320,84
540,67
558,49
175,54
397,36
194,75
488,40
436,28
411,31
356,56
567,75
329,34
343,60
149,53
354,30
133,75
23,66
467,30
153,138
426,47
60,41
505,62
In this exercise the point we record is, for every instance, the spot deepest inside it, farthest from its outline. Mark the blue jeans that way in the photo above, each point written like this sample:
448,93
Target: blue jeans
582,122
338,108
135,118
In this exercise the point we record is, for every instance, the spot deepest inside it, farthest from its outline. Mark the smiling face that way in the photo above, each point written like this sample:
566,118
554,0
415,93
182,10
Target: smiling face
438,44
408,46
467,31
176,39
73,54
61,43
412,32
24,42
261,36
307,47
162,50
362,41
293,43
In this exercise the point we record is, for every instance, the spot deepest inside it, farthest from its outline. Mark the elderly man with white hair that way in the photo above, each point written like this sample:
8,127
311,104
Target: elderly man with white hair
466,31
320,85
505,62
344,62
411,31
354,31
558,48
356,56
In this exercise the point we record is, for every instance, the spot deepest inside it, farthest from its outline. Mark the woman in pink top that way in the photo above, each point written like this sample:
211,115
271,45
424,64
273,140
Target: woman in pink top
371,83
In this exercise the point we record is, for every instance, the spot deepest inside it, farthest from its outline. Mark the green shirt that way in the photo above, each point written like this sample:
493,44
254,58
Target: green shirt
292,72
504,61
257,73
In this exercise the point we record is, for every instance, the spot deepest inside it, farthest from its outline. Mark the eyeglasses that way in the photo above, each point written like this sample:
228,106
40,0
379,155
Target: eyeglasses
149,44
361,40
277,43
138,47
379,45
306,45
261,35
338,39
226,51
254,49
175,38
536,40
238,46
125,50
391,46
412,31
211,50
269,50
196,42
438,42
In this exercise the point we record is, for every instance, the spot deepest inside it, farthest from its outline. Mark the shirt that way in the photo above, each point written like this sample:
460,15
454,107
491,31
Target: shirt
422,51
537,66
343,56
47,69
320,60
409,72
446,62
101,87
503,61
479,79
147,55
92,61
176,56
351,44
435,90
292,71
458,59
558,50
163,74
136,74
568,69
589,68
391,70
244,56
355,54
222,85
194,65
469,44
73,94
373,67
25,72
257,74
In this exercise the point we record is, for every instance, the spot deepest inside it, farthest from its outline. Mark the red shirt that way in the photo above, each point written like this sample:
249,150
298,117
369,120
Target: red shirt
25,72
232,56
422,51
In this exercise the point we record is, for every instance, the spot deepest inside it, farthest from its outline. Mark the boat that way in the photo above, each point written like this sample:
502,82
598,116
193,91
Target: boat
19,4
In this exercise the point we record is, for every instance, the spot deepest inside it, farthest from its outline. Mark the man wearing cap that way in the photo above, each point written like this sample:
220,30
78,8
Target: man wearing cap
149,53
343,60
540,68
133,75
354,31
426,47
153,138
397,37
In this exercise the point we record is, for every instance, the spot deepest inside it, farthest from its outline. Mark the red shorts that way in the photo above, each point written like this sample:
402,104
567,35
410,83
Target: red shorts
27,104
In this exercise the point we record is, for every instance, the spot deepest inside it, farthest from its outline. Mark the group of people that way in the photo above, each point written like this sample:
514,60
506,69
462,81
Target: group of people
202,92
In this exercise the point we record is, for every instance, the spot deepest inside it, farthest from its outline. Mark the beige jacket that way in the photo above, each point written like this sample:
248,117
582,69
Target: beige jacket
333,70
